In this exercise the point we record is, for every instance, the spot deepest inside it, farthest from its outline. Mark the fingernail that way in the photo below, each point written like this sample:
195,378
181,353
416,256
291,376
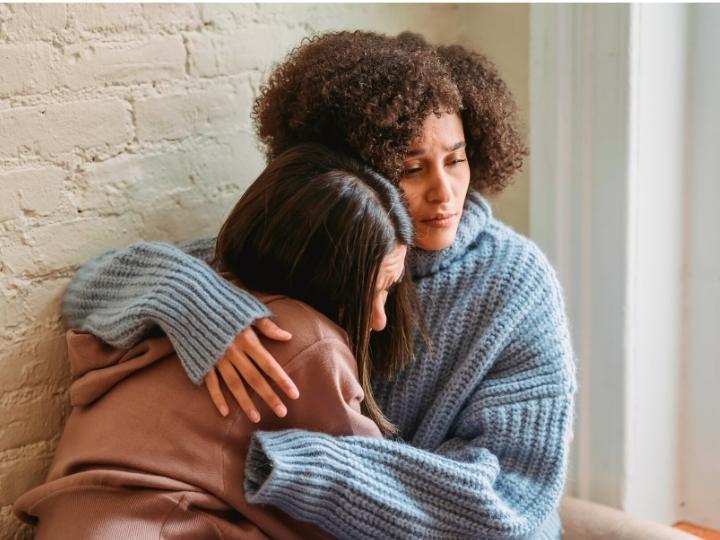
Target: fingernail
280,410
293,393
224,410
255,416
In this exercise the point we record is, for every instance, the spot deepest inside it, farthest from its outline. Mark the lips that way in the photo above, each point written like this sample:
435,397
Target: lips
439,220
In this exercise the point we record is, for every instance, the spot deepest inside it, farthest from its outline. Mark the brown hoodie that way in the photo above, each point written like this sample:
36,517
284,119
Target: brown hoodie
145,454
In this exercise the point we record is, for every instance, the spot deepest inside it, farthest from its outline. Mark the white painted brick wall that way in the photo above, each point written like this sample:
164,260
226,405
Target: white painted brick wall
123,122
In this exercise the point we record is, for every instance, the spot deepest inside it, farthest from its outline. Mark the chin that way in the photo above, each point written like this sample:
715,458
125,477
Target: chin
437,241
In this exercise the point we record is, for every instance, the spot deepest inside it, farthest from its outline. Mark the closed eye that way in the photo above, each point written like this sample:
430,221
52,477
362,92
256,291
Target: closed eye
456,161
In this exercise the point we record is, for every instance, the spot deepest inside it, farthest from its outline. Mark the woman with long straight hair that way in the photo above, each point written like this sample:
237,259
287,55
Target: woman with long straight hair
321,240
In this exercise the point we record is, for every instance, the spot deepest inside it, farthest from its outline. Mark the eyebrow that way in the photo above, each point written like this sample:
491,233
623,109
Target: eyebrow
421,151
390,282
399,279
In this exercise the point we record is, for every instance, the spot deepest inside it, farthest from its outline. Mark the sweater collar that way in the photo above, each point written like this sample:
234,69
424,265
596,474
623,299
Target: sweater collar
476,214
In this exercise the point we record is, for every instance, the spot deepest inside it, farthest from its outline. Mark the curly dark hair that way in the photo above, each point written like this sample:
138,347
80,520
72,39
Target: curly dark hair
368,94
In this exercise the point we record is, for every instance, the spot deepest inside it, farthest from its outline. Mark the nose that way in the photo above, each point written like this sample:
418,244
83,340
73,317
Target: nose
378,318
439,187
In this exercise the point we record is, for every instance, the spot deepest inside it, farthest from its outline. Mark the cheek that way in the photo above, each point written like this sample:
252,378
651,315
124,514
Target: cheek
413,196
462,179
467,177
462,189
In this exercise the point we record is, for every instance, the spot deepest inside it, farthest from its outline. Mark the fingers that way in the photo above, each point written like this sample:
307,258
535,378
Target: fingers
257,381
271,330
237,389
213,386
248,362
270,367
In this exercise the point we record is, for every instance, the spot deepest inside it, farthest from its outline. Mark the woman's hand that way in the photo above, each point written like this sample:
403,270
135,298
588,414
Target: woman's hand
241,362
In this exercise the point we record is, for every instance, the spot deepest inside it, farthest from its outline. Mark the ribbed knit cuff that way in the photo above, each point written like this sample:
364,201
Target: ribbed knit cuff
296,471
265,478
289,470
258,468
204,318
199,310
120,294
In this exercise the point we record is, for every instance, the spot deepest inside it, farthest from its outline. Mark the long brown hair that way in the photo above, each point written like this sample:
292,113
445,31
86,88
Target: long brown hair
315,226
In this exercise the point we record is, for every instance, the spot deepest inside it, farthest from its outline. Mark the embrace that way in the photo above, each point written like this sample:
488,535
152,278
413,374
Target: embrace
364,351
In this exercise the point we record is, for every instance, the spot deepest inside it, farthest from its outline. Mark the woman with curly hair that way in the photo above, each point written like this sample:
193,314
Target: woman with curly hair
484,411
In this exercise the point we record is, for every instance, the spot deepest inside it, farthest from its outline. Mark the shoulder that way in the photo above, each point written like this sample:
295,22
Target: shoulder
298,317
307,326
513,264
531,300
531,297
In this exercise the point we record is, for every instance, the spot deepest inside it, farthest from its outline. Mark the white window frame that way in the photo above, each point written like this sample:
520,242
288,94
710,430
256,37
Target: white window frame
607,123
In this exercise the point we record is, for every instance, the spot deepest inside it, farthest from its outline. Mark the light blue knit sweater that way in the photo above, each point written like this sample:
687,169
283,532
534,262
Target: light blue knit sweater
483,414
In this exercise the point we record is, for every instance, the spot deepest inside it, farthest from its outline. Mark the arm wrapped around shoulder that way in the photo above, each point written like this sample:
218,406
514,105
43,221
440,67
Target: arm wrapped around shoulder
121,294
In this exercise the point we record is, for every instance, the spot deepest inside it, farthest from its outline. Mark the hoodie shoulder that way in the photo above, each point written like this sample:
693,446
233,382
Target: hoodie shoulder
306,324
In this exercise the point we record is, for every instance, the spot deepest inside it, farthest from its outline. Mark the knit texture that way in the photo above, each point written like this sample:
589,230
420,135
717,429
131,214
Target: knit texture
484,412
121,294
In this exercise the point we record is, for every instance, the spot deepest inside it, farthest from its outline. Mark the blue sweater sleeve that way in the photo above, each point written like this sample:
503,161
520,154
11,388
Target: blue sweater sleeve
121,294
499,474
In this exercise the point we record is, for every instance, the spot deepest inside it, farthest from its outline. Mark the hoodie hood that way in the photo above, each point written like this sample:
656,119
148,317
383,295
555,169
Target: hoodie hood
97,366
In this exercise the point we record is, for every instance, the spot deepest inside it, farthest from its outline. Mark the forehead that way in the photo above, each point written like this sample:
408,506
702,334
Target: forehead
446,131
393,263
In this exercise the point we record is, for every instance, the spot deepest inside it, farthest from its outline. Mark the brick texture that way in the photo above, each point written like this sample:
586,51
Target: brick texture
122,122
